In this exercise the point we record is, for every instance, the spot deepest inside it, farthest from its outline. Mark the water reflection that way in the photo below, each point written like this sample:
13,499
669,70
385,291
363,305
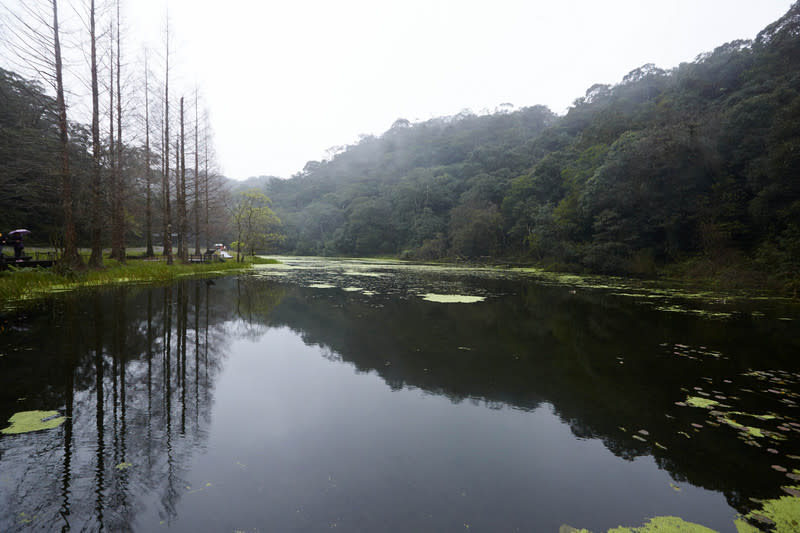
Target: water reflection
609,368
136,372
133,370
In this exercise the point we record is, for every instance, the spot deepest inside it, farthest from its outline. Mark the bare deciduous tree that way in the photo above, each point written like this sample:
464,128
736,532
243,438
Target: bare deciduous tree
96,257
37,43
148,213
196,205
181,192
165,156
117,192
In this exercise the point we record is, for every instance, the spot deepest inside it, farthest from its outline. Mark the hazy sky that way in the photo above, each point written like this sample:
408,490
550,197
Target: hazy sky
286,80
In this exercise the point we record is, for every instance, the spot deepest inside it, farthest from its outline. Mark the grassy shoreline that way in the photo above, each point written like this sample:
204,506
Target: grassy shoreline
29,283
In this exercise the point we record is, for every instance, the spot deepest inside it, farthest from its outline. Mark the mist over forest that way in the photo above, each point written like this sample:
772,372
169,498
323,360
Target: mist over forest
699,163
693,169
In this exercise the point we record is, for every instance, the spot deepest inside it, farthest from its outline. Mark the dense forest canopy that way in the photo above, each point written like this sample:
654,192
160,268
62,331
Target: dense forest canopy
698,161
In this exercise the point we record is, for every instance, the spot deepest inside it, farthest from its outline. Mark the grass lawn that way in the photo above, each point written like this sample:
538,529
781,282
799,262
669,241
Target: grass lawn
27,283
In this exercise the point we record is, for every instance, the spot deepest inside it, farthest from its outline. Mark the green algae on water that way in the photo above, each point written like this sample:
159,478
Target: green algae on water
452,298
783,512
705,403
781,515
665,524
28,421
743,527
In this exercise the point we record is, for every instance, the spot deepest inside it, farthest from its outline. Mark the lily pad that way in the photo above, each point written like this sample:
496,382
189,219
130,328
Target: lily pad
452,298
28,421
705,403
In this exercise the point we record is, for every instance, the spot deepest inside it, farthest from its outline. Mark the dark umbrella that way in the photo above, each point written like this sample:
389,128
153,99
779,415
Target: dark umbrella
19,232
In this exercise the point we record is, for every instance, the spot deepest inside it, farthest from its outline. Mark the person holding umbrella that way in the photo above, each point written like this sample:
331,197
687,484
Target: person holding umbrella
16,238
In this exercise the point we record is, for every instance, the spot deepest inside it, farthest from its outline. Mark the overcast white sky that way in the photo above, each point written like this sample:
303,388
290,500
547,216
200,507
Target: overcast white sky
286,80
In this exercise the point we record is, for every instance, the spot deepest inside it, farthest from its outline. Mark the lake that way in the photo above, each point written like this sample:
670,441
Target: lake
386,396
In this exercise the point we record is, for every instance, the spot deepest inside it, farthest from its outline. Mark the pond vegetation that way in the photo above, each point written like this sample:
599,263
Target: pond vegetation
356,388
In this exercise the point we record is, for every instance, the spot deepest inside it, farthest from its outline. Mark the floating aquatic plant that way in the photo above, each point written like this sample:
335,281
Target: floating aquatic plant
705,403
28,421
781,515
452,298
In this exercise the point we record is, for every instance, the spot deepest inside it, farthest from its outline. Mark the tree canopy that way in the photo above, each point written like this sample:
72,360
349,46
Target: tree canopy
697,161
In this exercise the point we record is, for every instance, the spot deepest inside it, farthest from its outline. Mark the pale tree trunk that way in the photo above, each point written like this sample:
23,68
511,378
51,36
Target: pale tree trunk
96,258
205,175
178,194
148,212
165,178
196,180
118,214
112,152
183,245
71,257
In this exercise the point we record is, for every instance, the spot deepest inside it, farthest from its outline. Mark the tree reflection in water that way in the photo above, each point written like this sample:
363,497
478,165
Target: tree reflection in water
135,370
132,369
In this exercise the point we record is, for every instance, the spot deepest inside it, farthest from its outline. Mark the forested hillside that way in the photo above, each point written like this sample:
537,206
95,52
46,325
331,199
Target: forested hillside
701,161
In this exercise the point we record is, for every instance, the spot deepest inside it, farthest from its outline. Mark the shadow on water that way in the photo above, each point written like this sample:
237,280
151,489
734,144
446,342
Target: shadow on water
134,371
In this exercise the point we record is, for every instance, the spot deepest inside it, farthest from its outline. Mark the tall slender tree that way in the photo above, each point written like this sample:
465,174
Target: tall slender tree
196,203
71,257
178,193
96,257
205,180
165,156
112,152
118,209
180,178
148,212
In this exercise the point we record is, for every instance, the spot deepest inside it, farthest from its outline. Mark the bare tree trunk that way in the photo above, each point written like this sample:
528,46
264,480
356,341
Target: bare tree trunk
196,180
71,257
96,258
205,173
178,194
112,163
148,212
165,177
118,215
183,245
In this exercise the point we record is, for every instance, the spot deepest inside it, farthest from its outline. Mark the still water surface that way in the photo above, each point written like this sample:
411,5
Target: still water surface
332,394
